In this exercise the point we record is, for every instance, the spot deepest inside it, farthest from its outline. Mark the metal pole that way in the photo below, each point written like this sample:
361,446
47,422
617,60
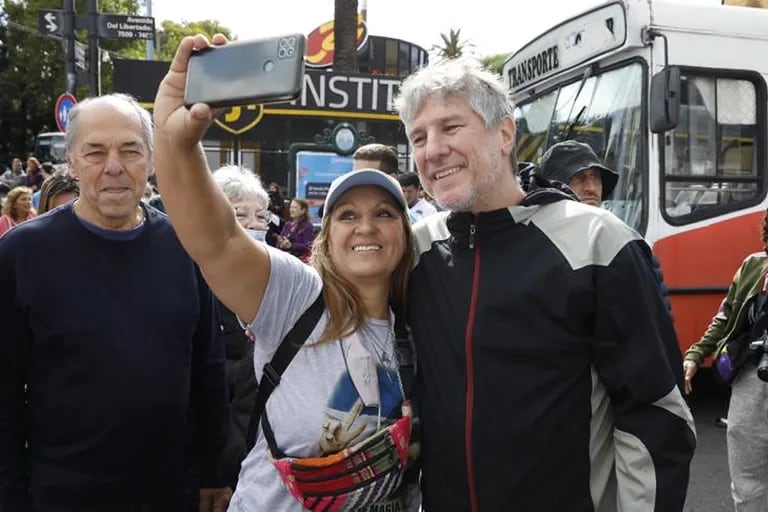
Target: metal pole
69,45
150,42
94,57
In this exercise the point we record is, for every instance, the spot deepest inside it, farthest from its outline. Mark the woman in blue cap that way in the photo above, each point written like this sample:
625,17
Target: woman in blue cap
343,386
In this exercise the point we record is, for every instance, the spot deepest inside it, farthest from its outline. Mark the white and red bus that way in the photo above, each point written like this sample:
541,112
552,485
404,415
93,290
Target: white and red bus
673,97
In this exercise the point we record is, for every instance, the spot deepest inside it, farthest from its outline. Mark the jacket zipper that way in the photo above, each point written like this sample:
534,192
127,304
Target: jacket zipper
469,403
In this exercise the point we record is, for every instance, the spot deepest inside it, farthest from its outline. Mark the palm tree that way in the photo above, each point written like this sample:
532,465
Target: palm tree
453,46
345,36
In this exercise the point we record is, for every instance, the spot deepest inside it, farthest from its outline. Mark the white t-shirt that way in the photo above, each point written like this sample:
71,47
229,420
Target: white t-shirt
316,395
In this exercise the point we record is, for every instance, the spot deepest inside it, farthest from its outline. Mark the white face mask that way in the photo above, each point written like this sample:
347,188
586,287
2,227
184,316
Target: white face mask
260,235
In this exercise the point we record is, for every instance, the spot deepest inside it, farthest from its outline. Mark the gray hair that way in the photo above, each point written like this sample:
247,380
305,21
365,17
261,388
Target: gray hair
117,100
239,183
465,77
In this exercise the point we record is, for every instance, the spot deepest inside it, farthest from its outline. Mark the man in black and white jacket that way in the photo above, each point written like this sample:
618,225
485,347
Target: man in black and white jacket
549,372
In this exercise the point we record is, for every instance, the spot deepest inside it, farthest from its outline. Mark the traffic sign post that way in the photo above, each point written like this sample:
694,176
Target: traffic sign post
50,21
94,52
63,105
115,26
62,23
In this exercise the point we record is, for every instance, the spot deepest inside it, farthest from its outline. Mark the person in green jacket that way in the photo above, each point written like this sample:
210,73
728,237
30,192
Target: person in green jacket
741,317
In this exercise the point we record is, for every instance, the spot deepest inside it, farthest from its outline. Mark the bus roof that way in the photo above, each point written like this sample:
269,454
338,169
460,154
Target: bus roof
724,20
616,24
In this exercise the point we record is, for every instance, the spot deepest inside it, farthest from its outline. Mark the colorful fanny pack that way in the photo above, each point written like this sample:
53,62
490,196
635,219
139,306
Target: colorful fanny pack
368,472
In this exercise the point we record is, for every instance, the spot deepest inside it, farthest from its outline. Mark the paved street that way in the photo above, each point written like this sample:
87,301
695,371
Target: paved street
709,486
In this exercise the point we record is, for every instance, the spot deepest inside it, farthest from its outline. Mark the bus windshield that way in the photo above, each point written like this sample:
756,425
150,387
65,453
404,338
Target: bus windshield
603,110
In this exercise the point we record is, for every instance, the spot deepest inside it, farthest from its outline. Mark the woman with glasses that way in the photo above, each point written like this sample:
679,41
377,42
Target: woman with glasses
247,197
249,201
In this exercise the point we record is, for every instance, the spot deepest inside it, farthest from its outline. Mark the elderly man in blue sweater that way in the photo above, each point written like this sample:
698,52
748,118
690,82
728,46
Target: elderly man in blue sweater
109,367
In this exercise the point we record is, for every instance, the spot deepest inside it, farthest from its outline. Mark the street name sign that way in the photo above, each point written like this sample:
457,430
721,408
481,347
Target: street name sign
50,21
117,26
63,105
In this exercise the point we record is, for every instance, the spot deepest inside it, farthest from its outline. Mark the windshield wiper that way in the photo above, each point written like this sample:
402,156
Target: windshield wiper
576,120
570,123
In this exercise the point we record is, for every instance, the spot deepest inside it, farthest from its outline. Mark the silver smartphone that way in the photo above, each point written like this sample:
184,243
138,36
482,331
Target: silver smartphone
247,72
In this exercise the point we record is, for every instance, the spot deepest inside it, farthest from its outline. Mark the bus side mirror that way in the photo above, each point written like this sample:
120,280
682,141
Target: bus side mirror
665,99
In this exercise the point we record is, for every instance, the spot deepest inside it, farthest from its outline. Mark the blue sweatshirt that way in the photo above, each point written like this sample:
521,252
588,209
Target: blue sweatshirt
113,335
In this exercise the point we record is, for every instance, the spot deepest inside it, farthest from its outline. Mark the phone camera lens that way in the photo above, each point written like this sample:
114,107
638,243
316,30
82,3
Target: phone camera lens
286,47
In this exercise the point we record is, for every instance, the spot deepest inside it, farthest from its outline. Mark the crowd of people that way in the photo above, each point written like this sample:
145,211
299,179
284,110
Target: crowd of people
422,347
22,191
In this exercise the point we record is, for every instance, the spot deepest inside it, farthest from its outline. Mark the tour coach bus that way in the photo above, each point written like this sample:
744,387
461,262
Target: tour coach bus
673,97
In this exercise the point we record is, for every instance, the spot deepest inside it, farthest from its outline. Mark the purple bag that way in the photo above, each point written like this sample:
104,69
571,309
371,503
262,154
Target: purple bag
724,368
730,358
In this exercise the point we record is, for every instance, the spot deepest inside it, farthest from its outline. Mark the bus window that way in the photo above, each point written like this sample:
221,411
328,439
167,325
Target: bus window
710,159
533,122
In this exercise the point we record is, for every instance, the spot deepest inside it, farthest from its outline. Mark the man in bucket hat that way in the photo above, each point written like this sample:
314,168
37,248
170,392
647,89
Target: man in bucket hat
576,164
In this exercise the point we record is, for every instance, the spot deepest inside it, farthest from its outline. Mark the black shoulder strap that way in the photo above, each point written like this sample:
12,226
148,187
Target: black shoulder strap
406,352
287,349
407,367
762,293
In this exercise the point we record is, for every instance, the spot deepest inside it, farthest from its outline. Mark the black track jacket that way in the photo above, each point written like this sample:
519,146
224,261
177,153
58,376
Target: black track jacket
549,372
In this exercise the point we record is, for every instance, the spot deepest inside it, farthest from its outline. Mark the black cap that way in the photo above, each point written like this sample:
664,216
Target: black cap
565,159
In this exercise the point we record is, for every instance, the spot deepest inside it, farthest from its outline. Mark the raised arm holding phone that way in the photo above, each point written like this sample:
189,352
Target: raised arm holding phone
342,392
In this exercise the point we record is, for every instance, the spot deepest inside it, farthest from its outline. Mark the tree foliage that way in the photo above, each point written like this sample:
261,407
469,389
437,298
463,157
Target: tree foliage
453,46
32,66
496,62
171,34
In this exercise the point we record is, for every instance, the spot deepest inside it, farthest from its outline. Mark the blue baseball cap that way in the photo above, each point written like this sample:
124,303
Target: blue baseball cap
360,178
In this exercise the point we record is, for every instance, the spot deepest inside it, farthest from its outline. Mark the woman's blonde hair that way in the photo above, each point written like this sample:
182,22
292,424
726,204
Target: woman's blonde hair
12,198
346,310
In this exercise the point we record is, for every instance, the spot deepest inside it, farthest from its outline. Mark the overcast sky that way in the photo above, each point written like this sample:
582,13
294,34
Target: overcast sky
493,26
